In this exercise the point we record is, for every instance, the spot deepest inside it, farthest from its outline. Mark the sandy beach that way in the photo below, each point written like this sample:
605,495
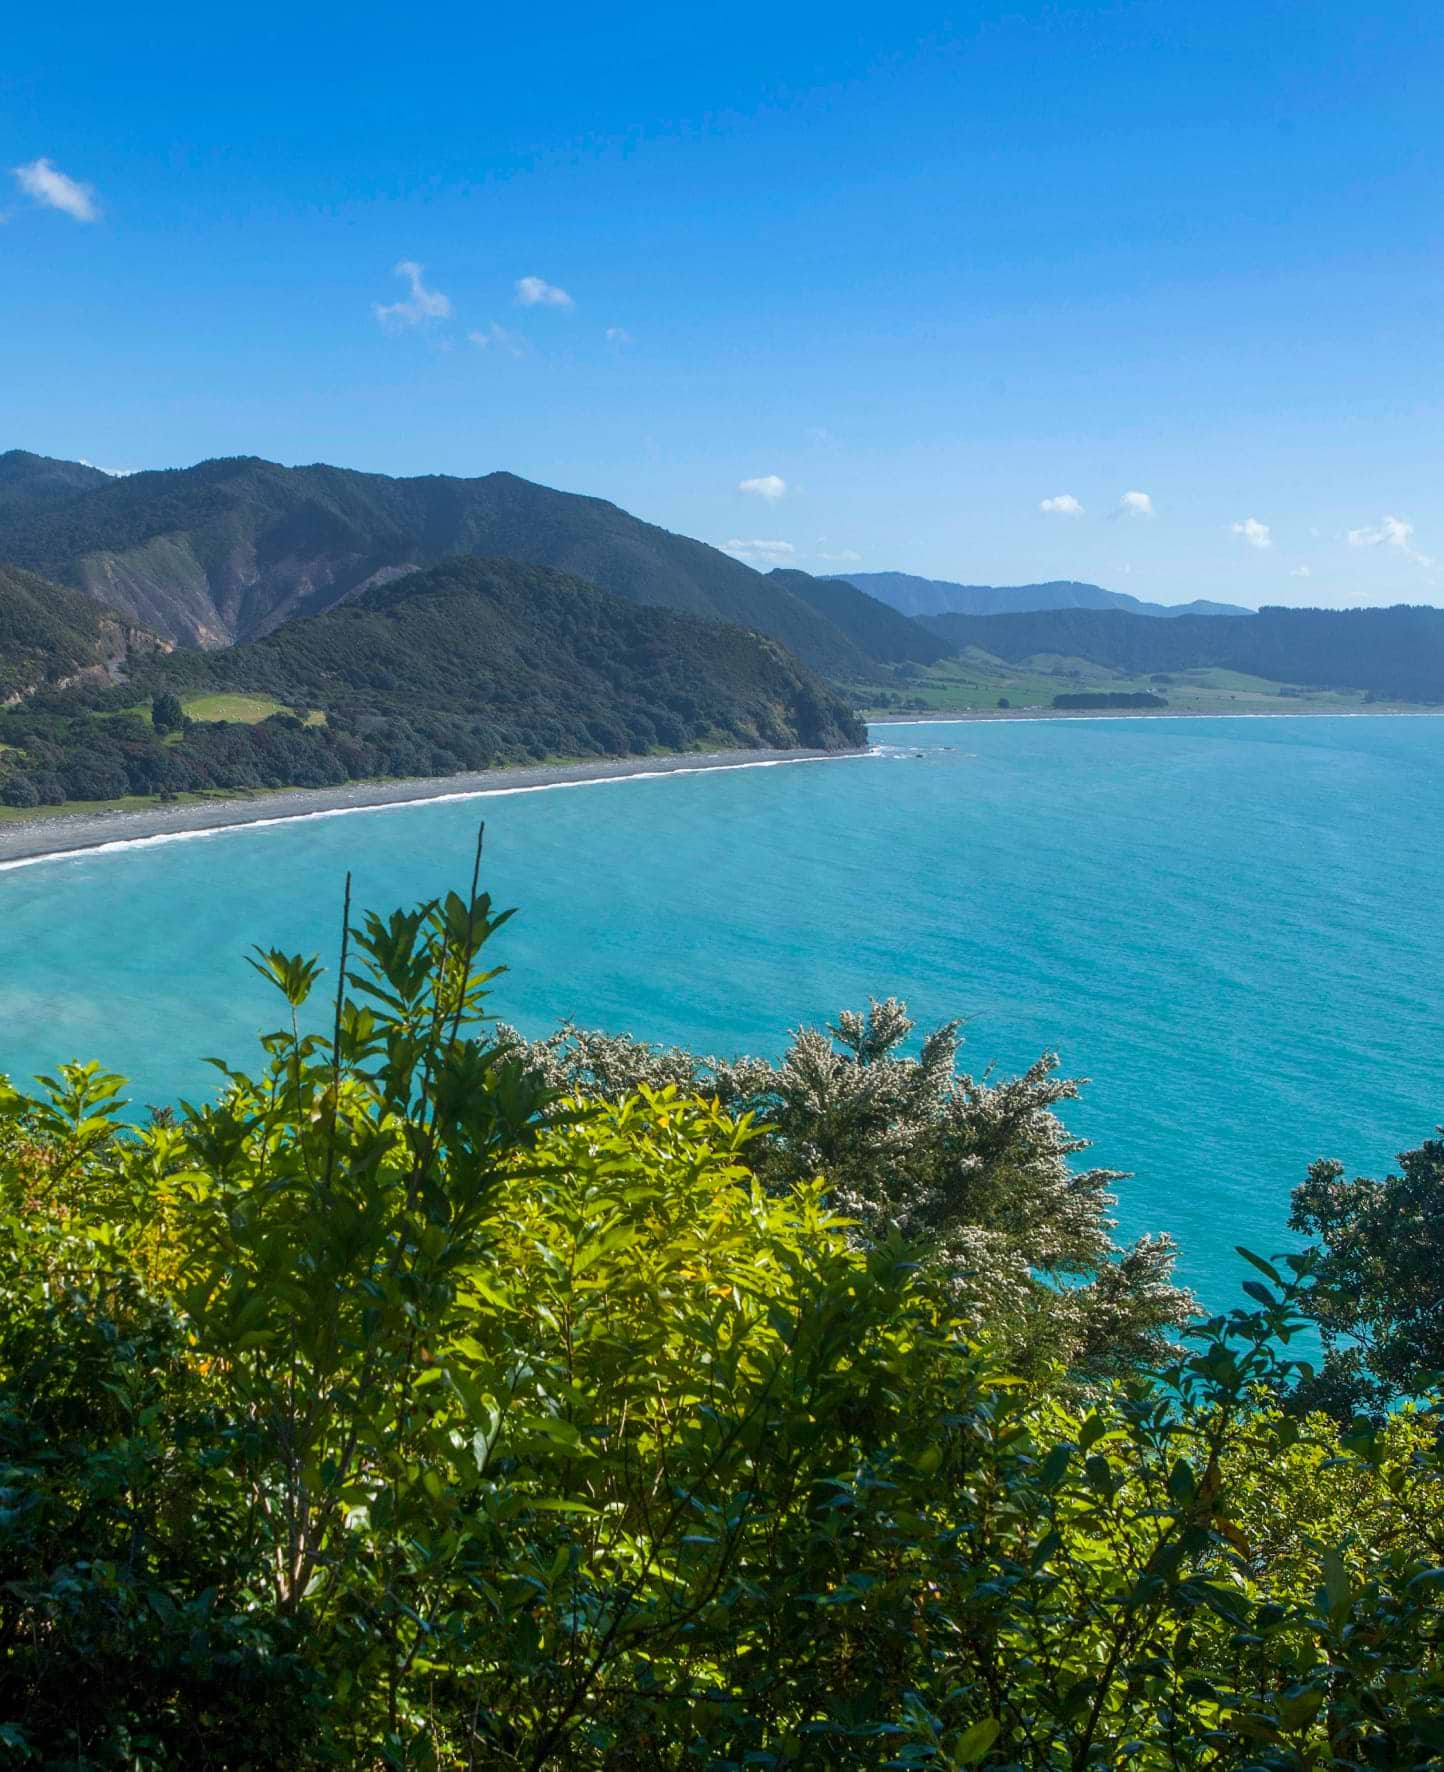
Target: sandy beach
61,833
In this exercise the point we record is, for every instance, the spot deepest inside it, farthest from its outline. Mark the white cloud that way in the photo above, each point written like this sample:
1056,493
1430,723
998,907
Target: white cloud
536,292
820,435
762,553
422,304
1302,572
619,336
48,185
1390,532
1064,505
114,473
1135,504
769,486
843,557
497,338
1256,534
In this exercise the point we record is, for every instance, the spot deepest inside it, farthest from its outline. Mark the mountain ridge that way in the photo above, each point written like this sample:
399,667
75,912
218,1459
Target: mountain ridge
231,548
1394,653
916,597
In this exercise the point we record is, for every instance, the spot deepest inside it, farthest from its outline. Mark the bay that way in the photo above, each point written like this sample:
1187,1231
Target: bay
1233,926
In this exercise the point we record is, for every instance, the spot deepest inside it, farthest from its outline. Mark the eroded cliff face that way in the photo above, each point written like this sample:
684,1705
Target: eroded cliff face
238,597
117,643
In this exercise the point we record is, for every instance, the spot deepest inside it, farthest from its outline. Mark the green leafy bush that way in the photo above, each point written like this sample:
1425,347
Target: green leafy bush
397,1410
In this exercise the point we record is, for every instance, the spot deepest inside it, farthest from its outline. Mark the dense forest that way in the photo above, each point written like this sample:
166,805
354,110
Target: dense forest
229,549
432,1400
470,664
1397,653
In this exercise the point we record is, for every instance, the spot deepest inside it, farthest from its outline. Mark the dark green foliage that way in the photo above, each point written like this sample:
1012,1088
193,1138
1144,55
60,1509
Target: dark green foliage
1108,698
163,546
28,482
49,633
878,631
1397,653
166,713
471,664
1378,1296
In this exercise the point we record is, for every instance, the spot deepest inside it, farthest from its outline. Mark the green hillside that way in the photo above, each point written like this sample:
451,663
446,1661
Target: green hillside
467,665
29,482
874,628
49,633
228,550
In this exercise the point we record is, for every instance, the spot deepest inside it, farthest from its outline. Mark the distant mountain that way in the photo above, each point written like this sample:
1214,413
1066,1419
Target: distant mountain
1396,653
874,627
230,549
939,596
51,635
463,666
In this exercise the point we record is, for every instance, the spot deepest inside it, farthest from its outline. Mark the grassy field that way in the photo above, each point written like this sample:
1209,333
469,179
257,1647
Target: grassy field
245,710
977,681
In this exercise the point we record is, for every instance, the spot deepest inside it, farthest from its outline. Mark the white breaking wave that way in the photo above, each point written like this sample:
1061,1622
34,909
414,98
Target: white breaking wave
259,824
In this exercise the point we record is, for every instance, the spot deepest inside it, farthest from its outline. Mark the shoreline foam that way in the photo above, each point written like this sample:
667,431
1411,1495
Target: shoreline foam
30,842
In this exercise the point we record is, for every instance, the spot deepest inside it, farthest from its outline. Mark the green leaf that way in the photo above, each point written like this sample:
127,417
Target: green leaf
974,1742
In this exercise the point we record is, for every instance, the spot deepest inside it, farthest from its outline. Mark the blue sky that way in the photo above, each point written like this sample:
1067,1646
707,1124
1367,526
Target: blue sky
902,273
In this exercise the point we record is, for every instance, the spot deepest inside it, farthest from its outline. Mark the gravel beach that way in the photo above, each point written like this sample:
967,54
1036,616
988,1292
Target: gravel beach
60,833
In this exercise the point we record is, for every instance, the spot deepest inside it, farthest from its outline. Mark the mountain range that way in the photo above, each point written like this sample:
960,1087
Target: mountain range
228,550
940,596
1395,654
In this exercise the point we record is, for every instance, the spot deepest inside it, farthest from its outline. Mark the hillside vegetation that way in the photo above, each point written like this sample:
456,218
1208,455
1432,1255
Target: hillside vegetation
228,550
396,1411
30,482
49,635
1396,653
470,664
879,632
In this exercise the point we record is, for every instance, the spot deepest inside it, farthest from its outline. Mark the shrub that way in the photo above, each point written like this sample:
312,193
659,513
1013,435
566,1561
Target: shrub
396,1412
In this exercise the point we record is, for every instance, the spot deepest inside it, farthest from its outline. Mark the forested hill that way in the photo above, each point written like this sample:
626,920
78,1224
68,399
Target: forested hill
30,482
463,666
875,628
1396,653
940,596
228,550
49,635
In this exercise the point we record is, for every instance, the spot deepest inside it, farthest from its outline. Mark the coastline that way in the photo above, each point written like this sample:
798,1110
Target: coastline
59,834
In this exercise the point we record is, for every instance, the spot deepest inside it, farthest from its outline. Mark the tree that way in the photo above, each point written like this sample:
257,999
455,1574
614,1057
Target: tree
976,1173
166,713
1377,1297
19,790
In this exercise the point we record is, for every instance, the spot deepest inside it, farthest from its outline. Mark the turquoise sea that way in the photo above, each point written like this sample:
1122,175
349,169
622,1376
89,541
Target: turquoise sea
1233,926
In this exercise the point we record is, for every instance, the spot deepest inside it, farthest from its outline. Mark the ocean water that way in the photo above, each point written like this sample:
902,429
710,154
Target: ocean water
1233,927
